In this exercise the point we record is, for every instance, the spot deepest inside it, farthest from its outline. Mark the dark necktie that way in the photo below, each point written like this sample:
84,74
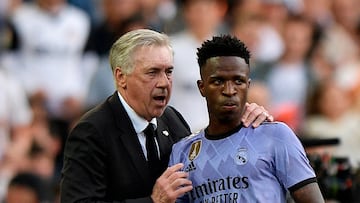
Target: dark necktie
152,152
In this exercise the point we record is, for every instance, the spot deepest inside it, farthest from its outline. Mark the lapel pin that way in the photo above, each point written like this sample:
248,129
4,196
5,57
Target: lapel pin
165,132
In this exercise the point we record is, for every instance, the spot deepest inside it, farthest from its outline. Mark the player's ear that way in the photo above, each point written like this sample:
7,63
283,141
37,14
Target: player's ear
200,85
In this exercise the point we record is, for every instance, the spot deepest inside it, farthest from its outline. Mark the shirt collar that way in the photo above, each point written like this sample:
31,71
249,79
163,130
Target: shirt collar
138,122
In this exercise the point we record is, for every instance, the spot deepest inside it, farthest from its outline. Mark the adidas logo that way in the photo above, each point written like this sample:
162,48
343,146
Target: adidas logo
190,167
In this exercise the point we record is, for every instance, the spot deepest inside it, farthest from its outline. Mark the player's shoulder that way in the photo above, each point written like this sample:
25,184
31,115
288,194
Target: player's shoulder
275,128
191,138
274,124
279,131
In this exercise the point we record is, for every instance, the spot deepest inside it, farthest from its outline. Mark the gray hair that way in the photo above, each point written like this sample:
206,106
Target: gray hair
121,52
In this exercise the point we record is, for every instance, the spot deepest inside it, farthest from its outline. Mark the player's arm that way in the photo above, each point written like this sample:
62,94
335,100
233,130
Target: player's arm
309,193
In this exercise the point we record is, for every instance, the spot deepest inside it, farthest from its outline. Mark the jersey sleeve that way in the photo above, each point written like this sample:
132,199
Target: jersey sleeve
292,165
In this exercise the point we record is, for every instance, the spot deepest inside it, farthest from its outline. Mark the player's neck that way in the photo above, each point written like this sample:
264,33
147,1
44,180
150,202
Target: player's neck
222,131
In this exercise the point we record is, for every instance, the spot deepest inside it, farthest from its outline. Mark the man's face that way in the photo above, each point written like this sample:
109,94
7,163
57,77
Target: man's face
147,88
225,82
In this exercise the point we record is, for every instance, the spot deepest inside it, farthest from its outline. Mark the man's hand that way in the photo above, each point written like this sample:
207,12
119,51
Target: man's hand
171,184
254,115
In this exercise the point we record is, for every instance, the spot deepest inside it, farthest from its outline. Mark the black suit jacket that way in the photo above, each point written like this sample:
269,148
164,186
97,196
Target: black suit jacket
103,159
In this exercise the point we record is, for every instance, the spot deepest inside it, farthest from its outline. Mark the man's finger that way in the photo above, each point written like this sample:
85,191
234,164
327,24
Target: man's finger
172,169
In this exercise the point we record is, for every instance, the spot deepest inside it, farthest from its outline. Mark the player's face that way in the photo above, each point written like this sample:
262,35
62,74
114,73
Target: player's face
147,88
225,82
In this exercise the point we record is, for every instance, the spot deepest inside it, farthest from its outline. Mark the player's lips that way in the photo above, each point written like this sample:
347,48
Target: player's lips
229,104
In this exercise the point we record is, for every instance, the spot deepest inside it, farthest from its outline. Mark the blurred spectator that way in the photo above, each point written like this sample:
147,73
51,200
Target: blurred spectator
114,13
318,12
15,121
89,7
290,79
52,36
39,155
330,115
271,14
8,37
27,188
45,154
15,111
322,69
271,45
118,17
341,43
158,13
249,29
260,23
259,93
243,9
203,18
8,6
341,37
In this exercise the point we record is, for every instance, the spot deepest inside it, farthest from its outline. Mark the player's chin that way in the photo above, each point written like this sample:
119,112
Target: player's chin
229,114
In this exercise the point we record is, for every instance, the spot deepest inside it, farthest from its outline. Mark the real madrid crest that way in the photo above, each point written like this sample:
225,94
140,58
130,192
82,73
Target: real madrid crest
194,150
241,156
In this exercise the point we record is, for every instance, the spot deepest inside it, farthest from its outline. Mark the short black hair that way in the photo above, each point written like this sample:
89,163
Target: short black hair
223,45
30,181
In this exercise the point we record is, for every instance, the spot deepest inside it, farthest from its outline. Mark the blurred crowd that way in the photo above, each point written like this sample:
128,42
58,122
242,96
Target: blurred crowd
305,70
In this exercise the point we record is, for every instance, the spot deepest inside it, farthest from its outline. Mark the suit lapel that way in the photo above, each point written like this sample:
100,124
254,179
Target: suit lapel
163,134
165,142
129,137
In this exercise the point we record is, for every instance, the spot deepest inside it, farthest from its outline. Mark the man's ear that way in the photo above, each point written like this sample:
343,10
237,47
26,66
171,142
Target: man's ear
120,78
200,85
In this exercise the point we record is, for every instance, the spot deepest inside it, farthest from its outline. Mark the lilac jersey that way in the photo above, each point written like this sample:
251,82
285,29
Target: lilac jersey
246,165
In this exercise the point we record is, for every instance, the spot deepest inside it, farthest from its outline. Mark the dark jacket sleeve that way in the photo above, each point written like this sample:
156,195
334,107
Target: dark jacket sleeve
85,174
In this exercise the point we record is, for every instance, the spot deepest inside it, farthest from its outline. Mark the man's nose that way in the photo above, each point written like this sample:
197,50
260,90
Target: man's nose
164,80
229,88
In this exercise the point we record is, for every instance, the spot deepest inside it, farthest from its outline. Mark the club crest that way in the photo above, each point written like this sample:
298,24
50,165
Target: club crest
241,156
